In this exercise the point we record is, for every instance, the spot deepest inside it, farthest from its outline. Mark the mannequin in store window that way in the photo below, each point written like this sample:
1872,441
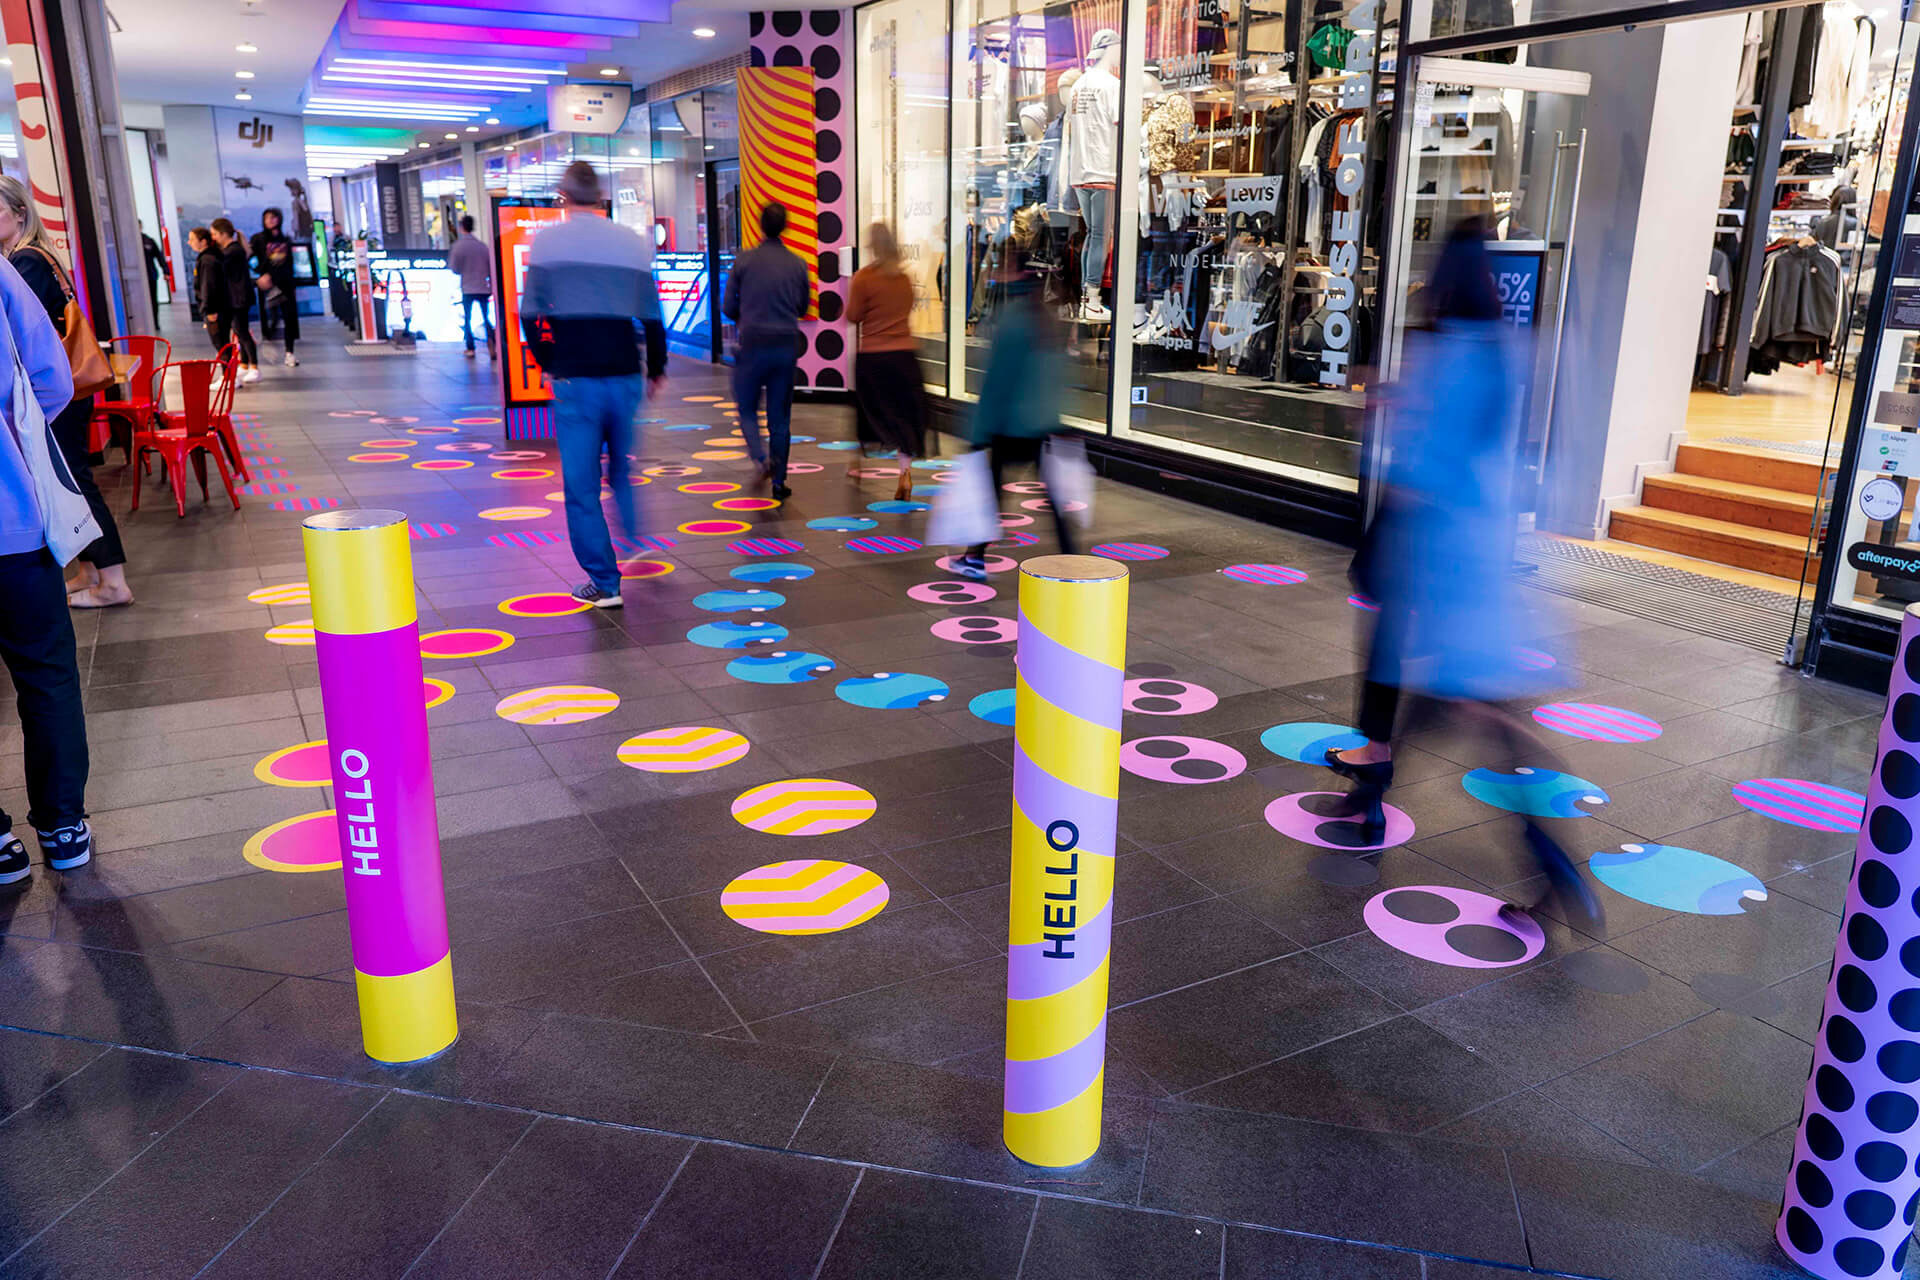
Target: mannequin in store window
1093,136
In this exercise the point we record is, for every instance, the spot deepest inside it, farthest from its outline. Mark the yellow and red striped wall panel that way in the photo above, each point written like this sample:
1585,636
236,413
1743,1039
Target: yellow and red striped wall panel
777,161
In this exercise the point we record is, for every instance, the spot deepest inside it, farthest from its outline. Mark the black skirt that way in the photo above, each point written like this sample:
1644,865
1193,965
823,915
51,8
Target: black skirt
890,401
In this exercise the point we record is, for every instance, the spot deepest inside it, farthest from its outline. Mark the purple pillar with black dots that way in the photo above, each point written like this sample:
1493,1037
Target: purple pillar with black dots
1848,1210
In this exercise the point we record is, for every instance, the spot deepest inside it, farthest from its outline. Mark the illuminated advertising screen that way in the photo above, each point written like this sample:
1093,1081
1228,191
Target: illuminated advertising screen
421,283
682,278
514,226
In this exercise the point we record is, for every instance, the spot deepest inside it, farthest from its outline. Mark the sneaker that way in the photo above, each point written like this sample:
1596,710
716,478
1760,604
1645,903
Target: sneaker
781,492
587,593
251,375
67,848
14,864
292,361
469,353
971,567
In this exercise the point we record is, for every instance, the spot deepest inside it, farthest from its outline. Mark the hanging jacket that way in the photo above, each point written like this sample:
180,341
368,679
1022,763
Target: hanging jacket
1799,296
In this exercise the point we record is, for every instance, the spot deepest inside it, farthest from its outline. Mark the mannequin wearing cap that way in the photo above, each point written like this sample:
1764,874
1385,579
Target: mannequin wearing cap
1030,179
1093,136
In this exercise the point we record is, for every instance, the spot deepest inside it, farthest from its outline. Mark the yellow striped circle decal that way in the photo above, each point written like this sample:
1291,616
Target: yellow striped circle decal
684,749
292,633
804,896
285,593
803,807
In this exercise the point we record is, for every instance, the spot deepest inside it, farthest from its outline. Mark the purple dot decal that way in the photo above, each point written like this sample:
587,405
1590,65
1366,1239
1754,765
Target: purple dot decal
977,629
1803,804
951,592
1597,723
1314,817
1272,575
1455,927
1186,760
1158,697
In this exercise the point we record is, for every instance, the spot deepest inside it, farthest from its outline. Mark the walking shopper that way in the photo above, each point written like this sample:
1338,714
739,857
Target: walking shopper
102,580
767,295
156,267
889,394
472,260
1438,557
1019,396
589,282
273,252
36,631
236,318
209,283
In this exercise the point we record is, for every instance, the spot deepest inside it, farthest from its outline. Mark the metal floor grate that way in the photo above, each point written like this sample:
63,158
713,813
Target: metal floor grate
1693,602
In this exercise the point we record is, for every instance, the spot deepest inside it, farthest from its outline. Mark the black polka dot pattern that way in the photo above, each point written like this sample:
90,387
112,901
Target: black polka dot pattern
1855,1182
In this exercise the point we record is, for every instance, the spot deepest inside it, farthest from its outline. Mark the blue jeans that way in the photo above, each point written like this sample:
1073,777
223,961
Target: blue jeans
468,301
1096,206
592,415
769,366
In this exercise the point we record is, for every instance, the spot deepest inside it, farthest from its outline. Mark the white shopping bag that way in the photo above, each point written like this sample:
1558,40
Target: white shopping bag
1069,477
964,513
64,512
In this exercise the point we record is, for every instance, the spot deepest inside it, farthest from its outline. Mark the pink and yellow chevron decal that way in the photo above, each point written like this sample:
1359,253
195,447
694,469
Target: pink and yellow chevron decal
808,895
682,749
803,807
777,162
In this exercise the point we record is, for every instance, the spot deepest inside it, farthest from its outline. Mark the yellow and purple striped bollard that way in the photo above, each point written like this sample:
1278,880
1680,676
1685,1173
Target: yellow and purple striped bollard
367,634
1066,781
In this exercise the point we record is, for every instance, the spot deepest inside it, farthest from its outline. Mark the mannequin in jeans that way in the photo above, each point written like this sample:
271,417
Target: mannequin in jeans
1093,136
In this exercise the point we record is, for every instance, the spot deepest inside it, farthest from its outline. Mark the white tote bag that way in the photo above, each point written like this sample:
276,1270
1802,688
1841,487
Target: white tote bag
64,512
1069,477
964,513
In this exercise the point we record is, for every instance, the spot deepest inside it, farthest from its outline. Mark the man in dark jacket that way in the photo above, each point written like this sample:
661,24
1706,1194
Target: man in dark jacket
273,251
768,294
209,283
589,282
236,319
156,267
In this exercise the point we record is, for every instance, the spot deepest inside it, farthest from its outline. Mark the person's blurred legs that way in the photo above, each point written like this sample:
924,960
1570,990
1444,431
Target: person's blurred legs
778,380
108,559
748,380
625,396
36,644
580,406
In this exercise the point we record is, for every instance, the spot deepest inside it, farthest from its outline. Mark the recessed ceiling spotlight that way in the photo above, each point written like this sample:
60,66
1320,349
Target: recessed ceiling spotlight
703,33
423,145
452,137
246,47
493,119
609,71
243,96
473,128
243,75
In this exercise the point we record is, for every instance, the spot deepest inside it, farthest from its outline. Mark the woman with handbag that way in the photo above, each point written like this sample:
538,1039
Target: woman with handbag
236,320
102,580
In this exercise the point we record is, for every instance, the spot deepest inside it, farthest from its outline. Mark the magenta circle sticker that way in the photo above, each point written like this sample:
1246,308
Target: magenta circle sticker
1185,760
1041,504
475,422
1025,486
1597,723
1450,926
982,629
522,473
802,468
1157,697
305,765
1803,804
1271,575
746,504
424,431
993,564
951,592
710,486
1314,817
389,444
1013,520
309,842
442,464
517,455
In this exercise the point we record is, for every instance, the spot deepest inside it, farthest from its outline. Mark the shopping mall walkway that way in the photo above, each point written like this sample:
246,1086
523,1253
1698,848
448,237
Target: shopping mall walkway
644,1087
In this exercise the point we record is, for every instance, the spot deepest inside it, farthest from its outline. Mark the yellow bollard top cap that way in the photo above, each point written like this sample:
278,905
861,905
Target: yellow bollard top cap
1073,568
353,520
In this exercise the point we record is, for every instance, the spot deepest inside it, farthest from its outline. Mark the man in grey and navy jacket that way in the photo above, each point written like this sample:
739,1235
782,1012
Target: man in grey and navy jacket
587,305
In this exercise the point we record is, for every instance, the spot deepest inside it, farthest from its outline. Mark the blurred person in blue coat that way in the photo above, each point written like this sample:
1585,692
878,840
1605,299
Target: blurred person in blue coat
1438,558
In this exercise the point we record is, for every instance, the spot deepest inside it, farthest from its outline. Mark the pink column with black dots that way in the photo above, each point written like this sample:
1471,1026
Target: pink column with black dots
1848,1210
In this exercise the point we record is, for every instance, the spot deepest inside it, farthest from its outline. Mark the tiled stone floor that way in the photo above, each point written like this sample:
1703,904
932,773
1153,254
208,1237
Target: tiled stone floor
644,1088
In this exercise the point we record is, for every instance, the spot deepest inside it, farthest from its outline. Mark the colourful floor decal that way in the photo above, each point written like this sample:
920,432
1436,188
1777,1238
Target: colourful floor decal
1018,538
1363,604
527,539
1270,575
979,629
284,593
1157,697
378,457
644,542
1188,760
890,691
991,564
557,704
424,431
515,513
310,842
951,592
522,473
1013,520
1129,551
719,455
775,572
305,504
700,487
464,446
1312,817
803,468
898,507
543,604
402,419
995,706
1803,804
1596,722
1665,875
398,443
765,546
632,569
476,422
701,399
1538,793
803,897
435,691
672,469
840,446
1041,504
305,765
1534,659
685,749
518,455
1456,927
714,528
1025,486
843,524
724,442
1308,741
736,635
688,426
785,667
463,642
746,504
725,601
291,633
803,807
418,531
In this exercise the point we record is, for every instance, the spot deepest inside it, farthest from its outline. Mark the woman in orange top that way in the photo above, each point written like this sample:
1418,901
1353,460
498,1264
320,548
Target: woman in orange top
889,395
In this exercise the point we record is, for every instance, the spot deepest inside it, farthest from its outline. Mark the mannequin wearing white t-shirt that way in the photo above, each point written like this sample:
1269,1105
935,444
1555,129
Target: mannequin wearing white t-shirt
1093,135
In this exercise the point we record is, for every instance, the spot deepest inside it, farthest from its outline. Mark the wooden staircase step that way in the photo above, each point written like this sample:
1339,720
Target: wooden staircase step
1758,506
1705,538
1785,471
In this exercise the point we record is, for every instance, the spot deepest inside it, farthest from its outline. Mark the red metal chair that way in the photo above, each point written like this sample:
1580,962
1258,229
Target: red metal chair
193,438
143,392
226,379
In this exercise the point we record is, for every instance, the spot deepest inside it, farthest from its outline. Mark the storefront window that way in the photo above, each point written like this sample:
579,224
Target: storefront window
902,174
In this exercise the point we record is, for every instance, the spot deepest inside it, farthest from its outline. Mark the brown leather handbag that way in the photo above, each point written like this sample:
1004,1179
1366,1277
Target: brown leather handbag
91,372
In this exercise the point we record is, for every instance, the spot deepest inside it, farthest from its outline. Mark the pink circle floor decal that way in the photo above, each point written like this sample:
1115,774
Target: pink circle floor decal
746,504
518,455
710,486
803,807
378,457
543,604
714,528
309,842
462,446
1456,927
515,513
522,473
1185,760
292,632
1596,722
1803,804
1271,575
305,765
1534,659
981,629
1309,817
435,691
951,592
992,564
682,749
1157,697
804,896
442,464
634,569
463,642
398,443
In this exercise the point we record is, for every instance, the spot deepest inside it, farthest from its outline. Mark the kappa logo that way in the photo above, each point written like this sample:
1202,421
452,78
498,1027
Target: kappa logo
1238,325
